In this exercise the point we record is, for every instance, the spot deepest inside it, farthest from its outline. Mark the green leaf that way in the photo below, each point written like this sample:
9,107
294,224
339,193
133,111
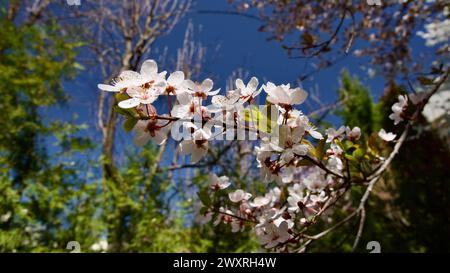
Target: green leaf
129,124
320,149
351,158
128,113
121,96
203,210
348,145
359,153
204,197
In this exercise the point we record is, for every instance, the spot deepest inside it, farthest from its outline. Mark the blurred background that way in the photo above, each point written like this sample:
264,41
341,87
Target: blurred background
70,172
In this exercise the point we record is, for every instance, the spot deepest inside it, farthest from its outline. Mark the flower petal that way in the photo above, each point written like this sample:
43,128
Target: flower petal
129,75
298,96
109,88
176,78
190,85
315,134
149,68
129,103
253,83
184,98
207,85
213,93
180,111
240,84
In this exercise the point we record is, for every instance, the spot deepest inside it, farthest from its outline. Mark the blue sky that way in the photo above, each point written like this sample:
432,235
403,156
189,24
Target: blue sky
241,46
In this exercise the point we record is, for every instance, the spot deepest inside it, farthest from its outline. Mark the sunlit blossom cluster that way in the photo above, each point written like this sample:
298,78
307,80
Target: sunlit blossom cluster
302,167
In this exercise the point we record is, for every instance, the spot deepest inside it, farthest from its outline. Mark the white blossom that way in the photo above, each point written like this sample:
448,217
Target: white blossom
290,143
248,91
283,95
175,83
274,235
333,134
143,87
398,108
218,183
438,106
197,147
353,134
239,195
260,201
386,136
156,130
201,90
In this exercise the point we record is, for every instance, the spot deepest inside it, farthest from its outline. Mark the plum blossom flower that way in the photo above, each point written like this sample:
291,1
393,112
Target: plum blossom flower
290,144
438,107
156,130
226,102
295,202
225,216
274,195
318,198
315,180
274,235
218,183
334,157
333,134
197,147
175,83
189,107
237,225
248,91
201,90
239,195
143,87
148,77
386,136
205,218
398,108
265,165
283,95
125,80
269,216
353,134
260,201
303,121
296,118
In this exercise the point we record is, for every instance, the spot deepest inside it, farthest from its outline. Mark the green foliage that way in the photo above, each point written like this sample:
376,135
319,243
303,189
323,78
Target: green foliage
357,108
39,196
50,193
408,210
